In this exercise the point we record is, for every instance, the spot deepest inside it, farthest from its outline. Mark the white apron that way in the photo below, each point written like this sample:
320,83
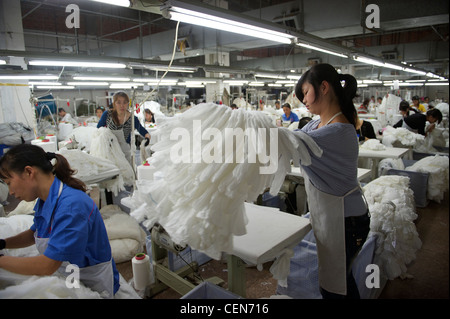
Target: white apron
99,278
126,148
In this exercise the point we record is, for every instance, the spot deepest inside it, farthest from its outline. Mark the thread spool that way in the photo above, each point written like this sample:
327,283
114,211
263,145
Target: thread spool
142,274
46,144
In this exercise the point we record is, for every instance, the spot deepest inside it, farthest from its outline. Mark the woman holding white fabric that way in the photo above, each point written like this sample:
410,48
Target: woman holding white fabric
339,213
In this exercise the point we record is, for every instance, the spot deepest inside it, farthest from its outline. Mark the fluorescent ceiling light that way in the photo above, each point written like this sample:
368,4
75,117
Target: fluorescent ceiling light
431,75
368,61
289,85
162,83
28,77
371,81
44,83
55,87
88,83
275,85
294,77
78,64
235,81
154,80
181,70
100,78
436,83
127,85
122,3
414,71
270,76
415,81
322,50
2,62
256,84
393,66
215,22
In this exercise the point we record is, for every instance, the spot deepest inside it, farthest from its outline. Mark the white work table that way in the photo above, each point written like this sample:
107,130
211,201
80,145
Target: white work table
269,233
376,156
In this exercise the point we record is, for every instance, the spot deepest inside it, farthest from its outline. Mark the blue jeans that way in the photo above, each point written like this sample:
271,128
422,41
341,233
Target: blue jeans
356,230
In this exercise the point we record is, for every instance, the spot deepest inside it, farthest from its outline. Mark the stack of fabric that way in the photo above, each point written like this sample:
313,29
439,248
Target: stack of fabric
400,137
438,168
392,209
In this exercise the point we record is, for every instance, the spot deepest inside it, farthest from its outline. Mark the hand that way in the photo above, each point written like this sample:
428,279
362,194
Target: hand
147,141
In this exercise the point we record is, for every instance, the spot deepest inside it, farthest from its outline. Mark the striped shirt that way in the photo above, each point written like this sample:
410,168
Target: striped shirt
107,121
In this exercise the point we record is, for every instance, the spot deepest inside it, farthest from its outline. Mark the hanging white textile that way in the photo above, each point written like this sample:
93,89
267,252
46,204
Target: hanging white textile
206,178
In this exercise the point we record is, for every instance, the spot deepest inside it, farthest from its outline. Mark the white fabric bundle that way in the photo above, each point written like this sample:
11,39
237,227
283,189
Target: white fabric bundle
88,165
388,163
438,168
83,135
392,137
13,225
373,144
392,209
104,144
201,204
125,235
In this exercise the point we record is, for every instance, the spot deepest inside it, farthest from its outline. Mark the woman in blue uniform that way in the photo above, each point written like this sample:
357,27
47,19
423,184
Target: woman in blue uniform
68,227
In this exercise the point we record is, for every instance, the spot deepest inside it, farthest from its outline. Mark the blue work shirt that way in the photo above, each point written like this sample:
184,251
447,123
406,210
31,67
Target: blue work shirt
126,127
292,117
76,233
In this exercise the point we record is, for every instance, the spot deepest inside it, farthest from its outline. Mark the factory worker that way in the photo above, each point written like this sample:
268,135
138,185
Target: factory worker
68,228
434,117
339,213
149,117
66,117
416,104
364,130
288,116
118,120
414,122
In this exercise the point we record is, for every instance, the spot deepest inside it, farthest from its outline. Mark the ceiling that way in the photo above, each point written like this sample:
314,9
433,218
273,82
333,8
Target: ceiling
415,32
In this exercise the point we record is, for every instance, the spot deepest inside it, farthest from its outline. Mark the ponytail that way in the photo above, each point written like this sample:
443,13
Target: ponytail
344,87
349,88
20,156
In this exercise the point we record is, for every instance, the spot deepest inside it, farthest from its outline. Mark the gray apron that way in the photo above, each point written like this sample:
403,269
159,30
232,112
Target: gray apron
327,221
99,278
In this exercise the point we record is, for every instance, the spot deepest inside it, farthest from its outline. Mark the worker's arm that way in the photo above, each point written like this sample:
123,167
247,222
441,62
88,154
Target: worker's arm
39,265
21,240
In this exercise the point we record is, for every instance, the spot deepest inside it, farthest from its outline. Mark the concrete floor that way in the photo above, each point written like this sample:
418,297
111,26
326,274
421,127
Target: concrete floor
430,270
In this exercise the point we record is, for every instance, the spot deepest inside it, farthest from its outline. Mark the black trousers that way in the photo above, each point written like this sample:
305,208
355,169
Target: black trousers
356,230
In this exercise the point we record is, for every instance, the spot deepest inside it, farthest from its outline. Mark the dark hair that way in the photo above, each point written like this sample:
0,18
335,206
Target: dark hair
23,155
61,110
344,93
287,105
303,121
403,106
150,112
436,114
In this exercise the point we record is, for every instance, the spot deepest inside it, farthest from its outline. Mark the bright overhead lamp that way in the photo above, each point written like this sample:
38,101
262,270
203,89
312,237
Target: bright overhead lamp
308,46
79,64
100,78
44,83
413,81
363,85
88,83
2,62
432,75
122,3
436,83
256,84
414,71
289,85
127,85
294,77
55,87
28,77
393,66
228,25
270,76
180,70
372,81
368,61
